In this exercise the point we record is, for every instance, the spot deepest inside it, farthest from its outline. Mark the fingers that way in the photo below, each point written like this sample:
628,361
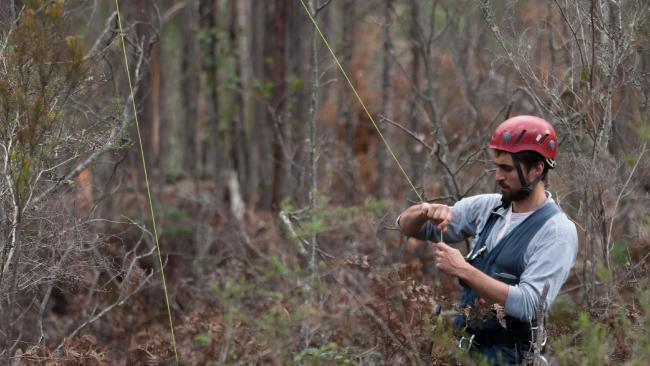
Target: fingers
440,215
439,254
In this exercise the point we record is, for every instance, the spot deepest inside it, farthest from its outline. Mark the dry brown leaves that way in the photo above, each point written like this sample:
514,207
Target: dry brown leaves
148,348
478,312
79,351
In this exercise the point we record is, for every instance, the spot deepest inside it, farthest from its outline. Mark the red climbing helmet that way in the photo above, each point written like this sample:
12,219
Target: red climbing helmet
523,133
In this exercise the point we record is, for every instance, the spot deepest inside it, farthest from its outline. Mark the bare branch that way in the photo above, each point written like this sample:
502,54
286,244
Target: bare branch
407,131
618,200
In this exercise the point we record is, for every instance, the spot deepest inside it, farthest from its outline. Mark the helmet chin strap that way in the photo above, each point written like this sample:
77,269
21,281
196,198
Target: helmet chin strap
526,188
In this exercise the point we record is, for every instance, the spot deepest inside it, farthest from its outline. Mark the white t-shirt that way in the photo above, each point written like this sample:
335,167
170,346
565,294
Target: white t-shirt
512,220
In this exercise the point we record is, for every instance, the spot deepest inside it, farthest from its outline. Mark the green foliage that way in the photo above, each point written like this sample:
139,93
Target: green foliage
326,218
642,353
620,253
585,72
325,355
177,225
43,66
202,340
260,303
262,88
592,348
644,130
604,274
563,312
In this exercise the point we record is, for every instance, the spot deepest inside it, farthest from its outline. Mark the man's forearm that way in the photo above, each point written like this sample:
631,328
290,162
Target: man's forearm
489,289
411,220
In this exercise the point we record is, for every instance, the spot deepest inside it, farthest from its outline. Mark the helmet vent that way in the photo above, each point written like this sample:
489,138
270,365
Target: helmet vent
540,139
521,135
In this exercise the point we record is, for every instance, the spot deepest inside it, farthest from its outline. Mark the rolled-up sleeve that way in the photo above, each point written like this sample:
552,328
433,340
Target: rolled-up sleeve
549,258
466,217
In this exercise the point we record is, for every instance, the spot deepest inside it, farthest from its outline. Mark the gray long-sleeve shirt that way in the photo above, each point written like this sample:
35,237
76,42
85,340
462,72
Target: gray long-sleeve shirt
548,258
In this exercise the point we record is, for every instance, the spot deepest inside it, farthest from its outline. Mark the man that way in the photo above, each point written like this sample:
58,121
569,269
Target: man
522,241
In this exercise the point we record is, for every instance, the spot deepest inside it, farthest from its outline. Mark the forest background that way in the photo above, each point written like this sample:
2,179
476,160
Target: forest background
274,195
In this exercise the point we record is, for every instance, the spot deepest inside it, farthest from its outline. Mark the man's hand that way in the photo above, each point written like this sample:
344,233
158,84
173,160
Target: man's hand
449,260
414,217
439,215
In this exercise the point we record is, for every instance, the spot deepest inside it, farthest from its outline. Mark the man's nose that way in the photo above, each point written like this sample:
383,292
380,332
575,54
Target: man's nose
498,175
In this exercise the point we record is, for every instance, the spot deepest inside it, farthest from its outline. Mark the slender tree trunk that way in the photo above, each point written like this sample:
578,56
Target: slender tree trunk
275,70
140,14
189,89
349,117
298,105
261,133
155,105
387,101
245,145
238,143
211,143
414,170
313,179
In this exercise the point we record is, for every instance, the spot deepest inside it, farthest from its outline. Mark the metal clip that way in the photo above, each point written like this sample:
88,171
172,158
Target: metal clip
466,341
533,331
471,255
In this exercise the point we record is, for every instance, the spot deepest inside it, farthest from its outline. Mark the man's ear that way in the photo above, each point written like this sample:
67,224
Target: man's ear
538,169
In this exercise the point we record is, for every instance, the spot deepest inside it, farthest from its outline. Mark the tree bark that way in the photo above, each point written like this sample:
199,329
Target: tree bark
414,171
239,143
387,101
189,87
348,116
212,142
275,71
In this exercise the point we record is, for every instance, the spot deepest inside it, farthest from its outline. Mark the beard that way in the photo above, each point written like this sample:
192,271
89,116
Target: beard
509,195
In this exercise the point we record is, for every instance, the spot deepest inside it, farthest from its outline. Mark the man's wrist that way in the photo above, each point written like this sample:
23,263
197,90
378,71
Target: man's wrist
465,272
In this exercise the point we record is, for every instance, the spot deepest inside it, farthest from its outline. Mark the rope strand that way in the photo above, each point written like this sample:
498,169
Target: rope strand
146,180
363,105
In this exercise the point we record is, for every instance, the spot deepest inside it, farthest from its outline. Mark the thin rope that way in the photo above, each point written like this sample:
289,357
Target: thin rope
363,105
146,179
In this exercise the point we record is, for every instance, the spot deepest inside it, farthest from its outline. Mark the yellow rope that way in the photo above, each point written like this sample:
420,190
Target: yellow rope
146,180
363,105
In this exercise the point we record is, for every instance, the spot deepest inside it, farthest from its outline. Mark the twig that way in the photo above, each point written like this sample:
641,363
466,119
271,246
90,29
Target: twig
110,144
539,336
105,311
413,355
41,312
618,200
321,7
405,130
100,40
302,244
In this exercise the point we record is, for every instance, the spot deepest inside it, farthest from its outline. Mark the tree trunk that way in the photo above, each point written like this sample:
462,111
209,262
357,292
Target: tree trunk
260,164
297,109
414,170
387,101
189,90
154,105
348,116
211,141
239,144
275,70
140,14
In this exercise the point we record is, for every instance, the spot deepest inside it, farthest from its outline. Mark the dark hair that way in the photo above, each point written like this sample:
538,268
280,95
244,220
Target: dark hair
529,159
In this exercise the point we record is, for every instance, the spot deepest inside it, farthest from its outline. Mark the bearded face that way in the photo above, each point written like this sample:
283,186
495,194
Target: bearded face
507,177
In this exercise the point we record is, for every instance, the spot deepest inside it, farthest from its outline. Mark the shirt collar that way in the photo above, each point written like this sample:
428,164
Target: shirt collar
501,211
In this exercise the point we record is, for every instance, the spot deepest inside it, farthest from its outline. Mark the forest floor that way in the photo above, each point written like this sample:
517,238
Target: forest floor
239,294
